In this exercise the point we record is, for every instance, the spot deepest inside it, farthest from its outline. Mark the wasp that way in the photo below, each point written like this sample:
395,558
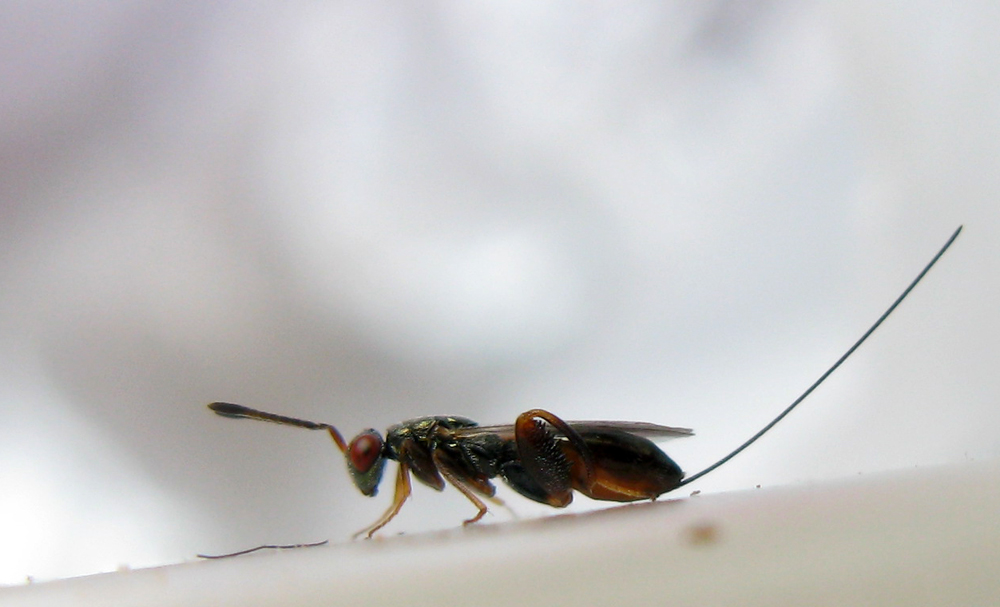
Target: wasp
541,456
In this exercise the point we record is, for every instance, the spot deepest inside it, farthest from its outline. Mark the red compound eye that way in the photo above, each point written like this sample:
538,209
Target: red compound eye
364,451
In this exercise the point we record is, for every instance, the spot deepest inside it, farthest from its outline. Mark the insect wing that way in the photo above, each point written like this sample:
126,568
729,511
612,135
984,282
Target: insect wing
643,429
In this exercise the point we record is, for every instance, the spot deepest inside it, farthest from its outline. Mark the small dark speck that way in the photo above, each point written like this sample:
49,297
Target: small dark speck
696,492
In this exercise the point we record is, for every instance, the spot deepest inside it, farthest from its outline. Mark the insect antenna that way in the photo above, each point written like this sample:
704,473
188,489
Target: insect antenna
829,371
239,411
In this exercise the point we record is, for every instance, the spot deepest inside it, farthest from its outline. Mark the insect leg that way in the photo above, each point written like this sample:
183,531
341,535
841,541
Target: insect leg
542,458
402,492
468,490
496,501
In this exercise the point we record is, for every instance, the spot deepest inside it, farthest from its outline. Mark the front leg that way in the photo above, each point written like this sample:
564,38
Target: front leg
399,497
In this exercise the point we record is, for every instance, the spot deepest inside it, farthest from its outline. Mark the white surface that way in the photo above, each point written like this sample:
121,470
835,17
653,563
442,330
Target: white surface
921,537
361,213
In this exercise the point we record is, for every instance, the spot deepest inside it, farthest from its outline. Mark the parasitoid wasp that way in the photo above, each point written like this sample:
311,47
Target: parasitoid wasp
541,456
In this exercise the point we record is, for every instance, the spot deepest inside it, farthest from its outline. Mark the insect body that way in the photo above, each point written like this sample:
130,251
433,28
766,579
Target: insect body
540,456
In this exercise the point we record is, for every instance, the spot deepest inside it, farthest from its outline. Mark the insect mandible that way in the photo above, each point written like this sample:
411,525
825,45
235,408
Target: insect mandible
541,456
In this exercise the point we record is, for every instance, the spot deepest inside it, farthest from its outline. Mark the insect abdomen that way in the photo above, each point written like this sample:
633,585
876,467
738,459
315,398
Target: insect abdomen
626,467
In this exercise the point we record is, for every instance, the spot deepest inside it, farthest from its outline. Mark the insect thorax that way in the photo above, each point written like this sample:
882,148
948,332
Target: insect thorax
423,430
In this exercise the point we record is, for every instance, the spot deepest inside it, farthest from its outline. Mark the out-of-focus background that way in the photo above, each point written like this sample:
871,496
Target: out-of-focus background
362,212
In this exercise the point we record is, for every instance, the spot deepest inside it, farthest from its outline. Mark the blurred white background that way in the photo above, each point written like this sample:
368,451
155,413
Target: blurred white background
361,212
